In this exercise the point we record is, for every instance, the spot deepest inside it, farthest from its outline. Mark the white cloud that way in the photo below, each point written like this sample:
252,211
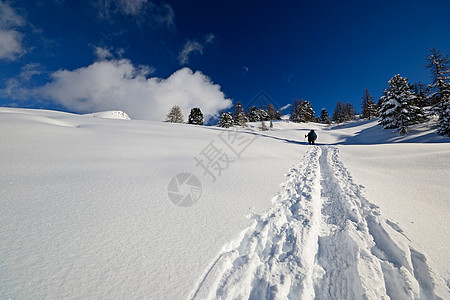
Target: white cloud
31,70
8,17
209,38
163,15
143,11
10,39
194,47
119,85
10,44
120,52
102,53
189,48
105,53
131,7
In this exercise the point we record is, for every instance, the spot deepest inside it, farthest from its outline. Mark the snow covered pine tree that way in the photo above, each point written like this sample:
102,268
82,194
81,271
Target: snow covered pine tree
343,112
444,119
396,111
225,120
302,112
439,65
195,117
324,117
254,115
240,118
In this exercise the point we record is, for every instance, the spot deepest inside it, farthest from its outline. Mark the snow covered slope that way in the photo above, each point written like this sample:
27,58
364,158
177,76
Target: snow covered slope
322,240
86,211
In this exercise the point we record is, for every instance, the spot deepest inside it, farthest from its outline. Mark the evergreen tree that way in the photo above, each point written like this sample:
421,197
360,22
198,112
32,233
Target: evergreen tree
302,112
278,114
402,118
369,108
226,120
444,120
254,114
307,112
324,117
343,112
421,91
240,118
339,112
175,115
416,114
271,111
195,116
294,113
416,102
349,112
439,65
396,110
387,109
264,126
264,115
379,103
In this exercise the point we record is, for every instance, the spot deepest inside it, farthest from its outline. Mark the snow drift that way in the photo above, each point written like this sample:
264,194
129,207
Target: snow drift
112,114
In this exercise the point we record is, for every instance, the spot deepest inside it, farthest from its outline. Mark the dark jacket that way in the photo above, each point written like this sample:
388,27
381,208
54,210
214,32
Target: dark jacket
312,136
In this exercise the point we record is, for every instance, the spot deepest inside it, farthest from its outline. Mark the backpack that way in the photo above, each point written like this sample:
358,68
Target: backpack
313,135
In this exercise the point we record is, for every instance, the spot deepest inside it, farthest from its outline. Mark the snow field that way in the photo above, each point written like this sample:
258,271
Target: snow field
409,182
382,258
322,240
85,212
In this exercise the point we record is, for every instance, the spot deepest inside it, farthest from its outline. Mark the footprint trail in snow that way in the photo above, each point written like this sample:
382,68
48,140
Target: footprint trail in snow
322,240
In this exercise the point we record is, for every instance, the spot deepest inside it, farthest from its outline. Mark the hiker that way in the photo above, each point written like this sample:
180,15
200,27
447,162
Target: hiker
312,136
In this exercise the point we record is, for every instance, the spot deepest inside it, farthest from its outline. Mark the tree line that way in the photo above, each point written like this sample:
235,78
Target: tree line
175,115
303,112
401,105
240,117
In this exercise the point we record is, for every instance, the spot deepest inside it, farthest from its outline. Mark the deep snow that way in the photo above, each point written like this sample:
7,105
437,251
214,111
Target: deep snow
86,213
323,240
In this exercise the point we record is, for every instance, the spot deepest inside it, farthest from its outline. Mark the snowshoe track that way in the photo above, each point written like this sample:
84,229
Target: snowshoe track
322,240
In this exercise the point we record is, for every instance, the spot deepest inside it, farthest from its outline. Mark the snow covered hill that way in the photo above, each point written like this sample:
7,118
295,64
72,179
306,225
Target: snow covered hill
88,210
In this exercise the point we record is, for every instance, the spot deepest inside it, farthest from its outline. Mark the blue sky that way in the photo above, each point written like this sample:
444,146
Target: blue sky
144,56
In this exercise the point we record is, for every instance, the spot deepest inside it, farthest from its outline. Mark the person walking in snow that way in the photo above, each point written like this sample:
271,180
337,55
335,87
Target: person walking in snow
312,136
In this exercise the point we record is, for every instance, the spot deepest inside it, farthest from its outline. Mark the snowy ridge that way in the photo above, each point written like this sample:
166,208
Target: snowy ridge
112,114
322,240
